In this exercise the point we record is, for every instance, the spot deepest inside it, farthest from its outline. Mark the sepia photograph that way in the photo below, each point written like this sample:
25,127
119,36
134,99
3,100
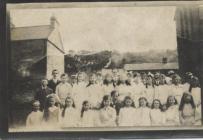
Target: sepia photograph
104,66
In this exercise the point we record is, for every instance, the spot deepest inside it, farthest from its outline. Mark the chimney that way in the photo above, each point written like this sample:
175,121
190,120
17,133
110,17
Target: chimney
11,24
164,60
53,21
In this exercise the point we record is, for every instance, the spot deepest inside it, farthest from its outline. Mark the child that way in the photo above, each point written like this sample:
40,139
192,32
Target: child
195,91
107,114
35,118
54,81
143,113
63,90
177,88
108,84
87,116
70,116
187,109
94,91
156,115
122,88
42,93
52,113
172,113
116,103
127,113
79,92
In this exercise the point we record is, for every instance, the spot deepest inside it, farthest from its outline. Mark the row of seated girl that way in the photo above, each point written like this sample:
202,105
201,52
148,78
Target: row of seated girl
111,115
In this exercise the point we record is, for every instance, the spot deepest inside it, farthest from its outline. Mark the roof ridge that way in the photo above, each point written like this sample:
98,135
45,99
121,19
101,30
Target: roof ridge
31,26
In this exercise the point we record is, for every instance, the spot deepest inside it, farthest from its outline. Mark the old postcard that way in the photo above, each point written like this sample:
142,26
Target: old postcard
109,66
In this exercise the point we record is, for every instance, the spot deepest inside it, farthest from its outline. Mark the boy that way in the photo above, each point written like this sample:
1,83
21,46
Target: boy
42,93
54,81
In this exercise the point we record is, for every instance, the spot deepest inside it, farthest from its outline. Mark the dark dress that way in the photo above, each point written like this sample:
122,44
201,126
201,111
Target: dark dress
41,96
52,84
117,105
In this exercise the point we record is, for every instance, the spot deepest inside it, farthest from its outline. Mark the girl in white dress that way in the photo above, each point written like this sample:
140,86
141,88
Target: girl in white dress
108,86
195,91
79,90
88,117
156,115
177,88
52,113
172,112
187,110
94,91
122,88
143,113
34,119
127,113
70,116
107,114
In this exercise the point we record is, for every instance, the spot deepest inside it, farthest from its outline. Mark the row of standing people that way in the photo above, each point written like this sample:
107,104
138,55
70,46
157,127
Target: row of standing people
150,87
112,113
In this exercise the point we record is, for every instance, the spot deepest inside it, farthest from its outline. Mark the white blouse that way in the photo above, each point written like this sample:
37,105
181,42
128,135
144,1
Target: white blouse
126,116
89,119
172,116
107,117
62,91
95,94
34,119
71,117
157,117
79,94
143,116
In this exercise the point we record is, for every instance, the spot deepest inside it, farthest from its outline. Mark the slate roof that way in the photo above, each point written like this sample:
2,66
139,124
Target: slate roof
31,32
151,66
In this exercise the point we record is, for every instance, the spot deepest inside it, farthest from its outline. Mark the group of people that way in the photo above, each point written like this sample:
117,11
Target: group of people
117,99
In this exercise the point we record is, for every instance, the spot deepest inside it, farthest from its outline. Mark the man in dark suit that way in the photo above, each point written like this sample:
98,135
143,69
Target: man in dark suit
42,93
54,81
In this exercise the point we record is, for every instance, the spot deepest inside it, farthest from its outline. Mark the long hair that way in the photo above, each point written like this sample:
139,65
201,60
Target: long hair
167,102
147,104
46,107
128,98
194,82
182,102
64,109
105,98
160,105
82,110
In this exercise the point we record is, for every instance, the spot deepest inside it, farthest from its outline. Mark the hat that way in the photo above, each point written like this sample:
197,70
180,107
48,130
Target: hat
171,72
36,103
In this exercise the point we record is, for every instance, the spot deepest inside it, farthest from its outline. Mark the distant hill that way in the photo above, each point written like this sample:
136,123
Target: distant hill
86,60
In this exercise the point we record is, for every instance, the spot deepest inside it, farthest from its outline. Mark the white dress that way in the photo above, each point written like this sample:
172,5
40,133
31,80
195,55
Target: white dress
149,94
126,116
107,117
143,116
177,91
34,119
124,91
157,117
89,119
172,116
95,94
79,94
63,90
107,89
196,93
71,118
137,91
161,92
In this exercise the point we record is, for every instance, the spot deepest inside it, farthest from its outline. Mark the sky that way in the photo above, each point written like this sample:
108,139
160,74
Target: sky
125,29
